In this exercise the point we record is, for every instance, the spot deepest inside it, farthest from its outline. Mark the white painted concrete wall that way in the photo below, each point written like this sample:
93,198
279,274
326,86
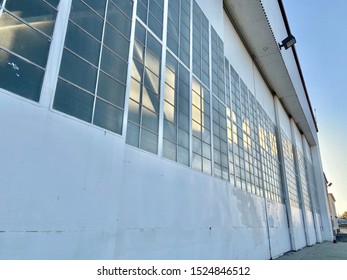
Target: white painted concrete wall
279,231
175,212
298,228
58,184
311,227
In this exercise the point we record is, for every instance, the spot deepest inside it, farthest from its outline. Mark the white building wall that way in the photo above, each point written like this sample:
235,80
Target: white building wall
59,184
170,211
279,231
311,227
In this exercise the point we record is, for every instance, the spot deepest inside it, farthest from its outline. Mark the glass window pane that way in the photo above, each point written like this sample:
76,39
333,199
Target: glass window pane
125,5
137,70
20,77
135,90
116,42
170,131
98,6
169,94
139,50
156,10
169,112
81,43
183,156
197,162
151,81
170,77
133,133
111,90
86,18
37,13
206,150
206,166
153,45
23,40
134,112
172,29
78,71
114,65
140,33
171,62
150,100
154,24
183,121
73,101
150,120
54,3
108,116
149,141
142,12
152,63
118,20
183,89
169,150
183,138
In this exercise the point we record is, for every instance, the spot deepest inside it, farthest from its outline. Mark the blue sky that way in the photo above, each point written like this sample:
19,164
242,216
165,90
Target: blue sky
320,28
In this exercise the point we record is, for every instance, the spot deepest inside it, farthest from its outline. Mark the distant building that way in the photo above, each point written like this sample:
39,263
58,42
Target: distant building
155,129
333,213
342,226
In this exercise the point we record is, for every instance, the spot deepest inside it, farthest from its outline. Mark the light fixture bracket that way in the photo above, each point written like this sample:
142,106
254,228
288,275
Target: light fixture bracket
288,42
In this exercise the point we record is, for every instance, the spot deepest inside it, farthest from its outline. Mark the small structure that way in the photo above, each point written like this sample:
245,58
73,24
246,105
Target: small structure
333,214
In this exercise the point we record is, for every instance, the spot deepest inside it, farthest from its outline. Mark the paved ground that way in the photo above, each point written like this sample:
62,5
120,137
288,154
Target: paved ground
323,251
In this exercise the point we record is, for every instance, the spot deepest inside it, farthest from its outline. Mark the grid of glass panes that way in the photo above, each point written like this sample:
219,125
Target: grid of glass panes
178,29
275,181
246,140
93,71
237,133
312,184
151,14
269,157
227,82
217,53
220,146
229,121
176,111
143,116
289,165
26,32
201,45
303,179
254,150
201,128
230,147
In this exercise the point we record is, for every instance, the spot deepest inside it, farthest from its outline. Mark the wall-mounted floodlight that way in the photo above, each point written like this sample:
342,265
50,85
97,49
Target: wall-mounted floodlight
288,42
329,185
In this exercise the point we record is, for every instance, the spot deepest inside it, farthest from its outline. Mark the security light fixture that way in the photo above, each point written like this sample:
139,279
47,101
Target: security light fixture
288,42
329,185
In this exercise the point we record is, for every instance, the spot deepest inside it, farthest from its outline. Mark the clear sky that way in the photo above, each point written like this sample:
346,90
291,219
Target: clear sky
320,28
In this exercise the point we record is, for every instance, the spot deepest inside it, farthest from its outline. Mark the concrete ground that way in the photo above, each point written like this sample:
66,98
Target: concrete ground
322,251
